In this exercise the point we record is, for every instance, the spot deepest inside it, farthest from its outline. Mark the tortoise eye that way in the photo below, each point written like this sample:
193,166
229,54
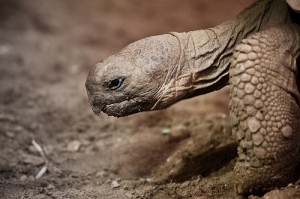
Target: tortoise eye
116,83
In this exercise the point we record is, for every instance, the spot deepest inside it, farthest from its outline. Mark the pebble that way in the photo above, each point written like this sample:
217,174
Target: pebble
74,146
9,134
33,149
178,133
23,178
115,184
165,131
18,128
102,174
129,195
7,117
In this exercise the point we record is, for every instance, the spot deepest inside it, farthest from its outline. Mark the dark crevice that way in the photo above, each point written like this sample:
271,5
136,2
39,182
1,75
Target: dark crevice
211,162
297,73
295,16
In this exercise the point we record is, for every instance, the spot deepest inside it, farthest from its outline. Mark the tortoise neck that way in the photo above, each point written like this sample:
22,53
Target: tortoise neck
205,54
202,66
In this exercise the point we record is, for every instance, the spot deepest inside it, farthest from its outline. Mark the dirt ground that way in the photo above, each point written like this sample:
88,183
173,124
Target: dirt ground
46,50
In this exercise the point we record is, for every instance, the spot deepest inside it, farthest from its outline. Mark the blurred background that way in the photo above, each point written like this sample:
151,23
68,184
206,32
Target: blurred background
46,50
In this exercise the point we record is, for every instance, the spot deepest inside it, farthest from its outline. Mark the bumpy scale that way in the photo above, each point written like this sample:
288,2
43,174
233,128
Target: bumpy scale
265,108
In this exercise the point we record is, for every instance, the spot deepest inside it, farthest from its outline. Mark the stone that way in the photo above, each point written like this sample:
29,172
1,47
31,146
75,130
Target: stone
115,184
74,146
178,133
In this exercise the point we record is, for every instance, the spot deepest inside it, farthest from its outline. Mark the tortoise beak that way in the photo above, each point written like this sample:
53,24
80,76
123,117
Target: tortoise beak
96,104
92,84
98,109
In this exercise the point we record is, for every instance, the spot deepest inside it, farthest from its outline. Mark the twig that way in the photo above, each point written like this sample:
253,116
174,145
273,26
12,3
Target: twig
42,153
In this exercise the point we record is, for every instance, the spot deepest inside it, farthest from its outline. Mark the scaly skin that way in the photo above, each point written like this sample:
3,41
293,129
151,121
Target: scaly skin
265,108
156,72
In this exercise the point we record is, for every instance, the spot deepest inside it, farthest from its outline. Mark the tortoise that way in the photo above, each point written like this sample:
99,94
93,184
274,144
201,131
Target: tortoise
256,53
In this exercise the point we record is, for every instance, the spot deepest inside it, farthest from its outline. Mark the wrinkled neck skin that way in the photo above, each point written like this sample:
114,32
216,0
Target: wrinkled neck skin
203,62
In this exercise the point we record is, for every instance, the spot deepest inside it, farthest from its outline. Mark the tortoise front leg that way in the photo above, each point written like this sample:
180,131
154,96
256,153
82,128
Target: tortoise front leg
265,109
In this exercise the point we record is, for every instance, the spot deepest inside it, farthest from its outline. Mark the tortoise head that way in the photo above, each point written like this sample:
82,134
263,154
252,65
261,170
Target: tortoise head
132,80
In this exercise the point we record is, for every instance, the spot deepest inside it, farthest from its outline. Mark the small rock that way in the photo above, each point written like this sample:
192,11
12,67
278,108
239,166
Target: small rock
126,187
33,149
149,180
73,146
115,184
7,117
10,134
50,186
19,128
129,195
165,131
142,180
178,133
23,178
185,184
85,142
102,174
34,126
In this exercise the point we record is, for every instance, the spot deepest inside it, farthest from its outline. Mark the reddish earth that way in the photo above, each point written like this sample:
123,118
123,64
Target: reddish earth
46,50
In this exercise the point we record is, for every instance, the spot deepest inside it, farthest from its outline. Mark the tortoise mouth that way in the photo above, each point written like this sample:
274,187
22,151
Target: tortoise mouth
119,109
124,108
